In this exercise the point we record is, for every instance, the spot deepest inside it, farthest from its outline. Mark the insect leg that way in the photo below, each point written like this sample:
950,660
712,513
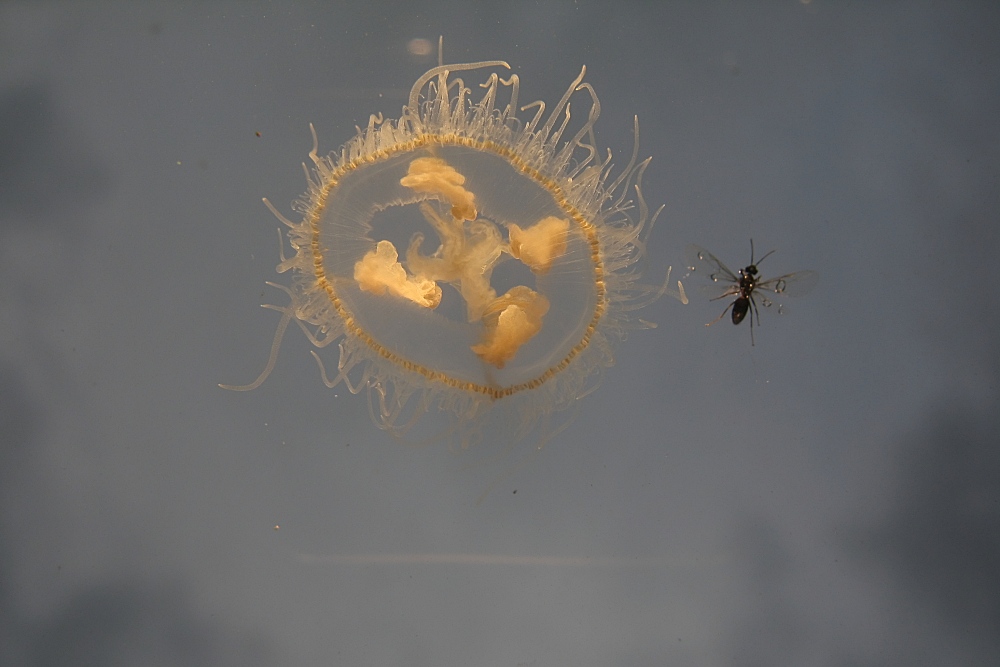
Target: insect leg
708,324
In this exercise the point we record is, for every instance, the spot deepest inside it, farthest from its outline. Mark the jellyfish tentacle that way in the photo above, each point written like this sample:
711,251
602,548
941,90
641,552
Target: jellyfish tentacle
287,314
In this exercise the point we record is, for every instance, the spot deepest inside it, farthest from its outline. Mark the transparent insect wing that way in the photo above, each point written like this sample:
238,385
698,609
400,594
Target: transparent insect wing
799,283
771,293
724,281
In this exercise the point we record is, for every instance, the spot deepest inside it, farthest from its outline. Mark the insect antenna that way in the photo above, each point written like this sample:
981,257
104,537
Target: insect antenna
753,263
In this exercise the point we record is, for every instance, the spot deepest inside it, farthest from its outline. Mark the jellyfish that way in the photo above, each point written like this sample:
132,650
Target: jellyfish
469,254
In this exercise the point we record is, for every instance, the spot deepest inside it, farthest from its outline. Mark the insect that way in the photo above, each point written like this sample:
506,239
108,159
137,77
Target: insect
750,291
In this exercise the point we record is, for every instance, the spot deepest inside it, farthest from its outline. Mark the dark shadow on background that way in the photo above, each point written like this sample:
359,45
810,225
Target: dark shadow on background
19,428
771,630
44,169
123,625
49,177
112,624
941,543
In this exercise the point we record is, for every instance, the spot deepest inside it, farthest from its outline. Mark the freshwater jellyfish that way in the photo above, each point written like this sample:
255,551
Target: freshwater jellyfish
463,257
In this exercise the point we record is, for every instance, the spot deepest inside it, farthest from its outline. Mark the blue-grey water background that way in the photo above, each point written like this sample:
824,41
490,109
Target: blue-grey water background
830,496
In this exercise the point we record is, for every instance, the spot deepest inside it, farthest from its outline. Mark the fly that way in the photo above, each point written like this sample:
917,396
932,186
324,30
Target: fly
750,291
